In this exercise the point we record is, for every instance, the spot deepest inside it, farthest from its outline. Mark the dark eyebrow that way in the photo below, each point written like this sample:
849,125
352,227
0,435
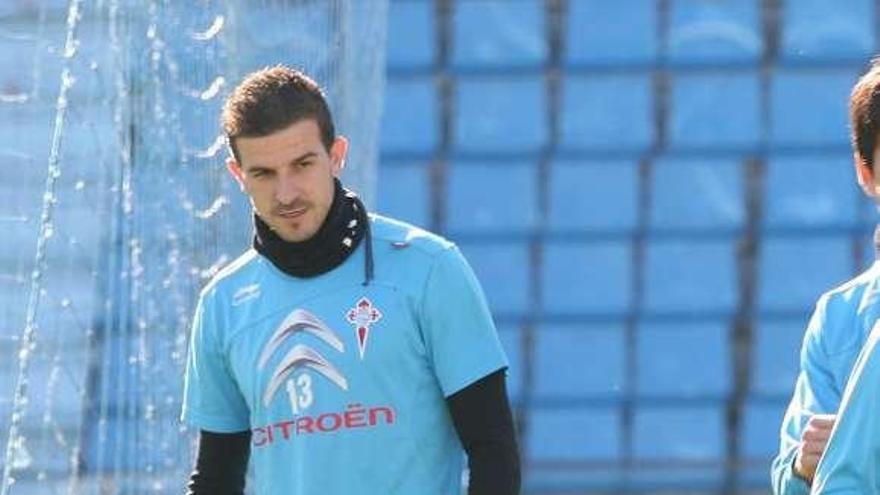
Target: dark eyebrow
303,157
257,168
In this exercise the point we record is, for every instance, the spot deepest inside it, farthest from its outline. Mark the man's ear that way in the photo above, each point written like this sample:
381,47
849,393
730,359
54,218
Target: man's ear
338,153
235,170
865,176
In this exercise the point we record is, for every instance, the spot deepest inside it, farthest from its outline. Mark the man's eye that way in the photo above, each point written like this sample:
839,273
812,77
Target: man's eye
305,164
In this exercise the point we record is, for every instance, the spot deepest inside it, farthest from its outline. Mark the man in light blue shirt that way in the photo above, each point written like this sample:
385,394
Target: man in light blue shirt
841,323
345,352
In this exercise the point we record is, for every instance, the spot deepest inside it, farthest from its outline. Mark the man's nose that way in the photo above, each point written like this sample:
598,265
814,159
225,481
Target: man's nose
288,190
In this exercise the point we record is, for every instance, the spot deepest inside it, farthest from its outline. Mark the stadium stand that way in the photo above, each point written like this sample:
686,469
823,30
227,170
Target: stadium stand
782,261
606,113
607,263
474,207
412,33
845,34
487,120
593,37
690,277
408,191
714,33
793,122
564,354
691,195
811,192
579,192
731,101
499,34
405,130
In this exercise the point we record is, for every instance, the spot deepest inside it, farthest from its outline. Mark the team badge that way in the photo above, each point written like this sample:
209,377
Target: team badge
362,316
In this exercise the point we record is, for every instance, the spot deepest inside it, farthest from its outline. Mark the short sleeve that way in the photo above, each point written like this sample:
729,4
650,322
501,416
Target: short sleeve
460,336
212,400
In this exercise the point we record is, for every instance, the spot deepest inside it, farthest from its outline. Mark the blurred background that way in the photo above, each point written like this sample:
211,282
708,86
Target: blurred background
652,192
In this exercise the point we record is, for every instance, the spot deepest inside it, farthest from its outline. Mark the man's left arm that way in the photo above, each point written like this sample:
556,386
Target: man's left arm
470,367
484,422
851,463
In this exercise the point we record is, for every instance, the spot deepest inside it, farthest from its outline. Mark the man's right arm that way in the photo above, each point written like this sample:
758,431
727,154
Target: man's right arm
816,393
213,403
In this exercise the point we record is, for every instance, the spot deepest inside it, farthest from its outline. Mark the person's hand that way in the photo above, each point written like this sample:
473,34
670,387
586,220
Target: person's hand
813,442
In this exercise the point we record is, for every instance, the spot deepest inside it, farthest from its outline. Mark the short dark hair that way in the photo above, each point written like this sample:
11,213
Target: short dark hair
864,113
271,99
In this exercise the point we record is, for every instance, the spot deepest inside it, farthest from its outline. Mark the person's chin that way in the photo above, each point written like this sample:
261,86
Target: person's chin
299,233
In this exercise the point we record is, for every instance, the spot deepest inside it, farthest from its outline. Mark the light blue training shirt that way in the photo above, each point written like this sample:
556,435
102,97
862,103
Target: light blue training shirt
840,324
851,463
343,385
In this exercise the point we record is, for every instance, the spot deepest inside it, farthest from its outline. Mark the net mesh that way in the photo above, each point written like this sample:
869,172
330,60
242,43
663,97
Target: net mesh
117,210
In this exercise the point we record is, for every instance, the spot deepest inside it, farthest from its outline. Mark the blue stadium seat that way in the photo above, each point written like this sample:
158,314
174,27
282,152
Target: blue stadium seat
794,271
499,34
500,114
580,193
594,36
587,278
717,110
759,435
845,32
685,444
775,356
811,192
404,192
410,122
759,441
574,434
716,33
697,194
511,341
566,358
412,35
607,113
503,271
809,107
475,205
684,359
690,276
574,449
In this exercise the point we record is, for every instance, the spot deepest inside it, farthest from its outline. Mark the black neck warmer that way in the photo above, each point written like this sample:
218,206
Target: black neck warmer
340,234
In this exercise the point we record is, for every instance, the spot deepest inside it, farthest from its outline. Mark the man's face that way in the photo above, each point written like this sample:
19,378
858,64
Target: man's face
288,176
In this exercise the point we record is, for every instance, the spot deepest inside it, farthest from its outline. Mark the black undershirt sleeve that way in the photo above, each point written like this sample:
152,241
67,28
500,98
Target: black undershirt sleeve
484,422
221,464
